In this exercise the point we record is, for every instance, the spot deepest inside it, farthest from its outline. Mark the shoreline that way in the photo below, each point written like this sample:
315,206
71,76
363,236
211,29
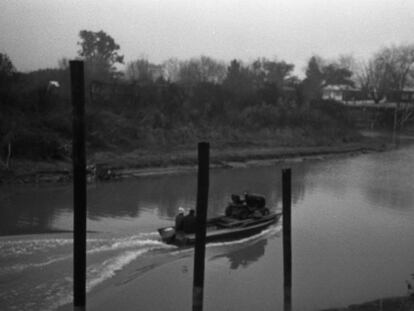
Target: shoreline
401,303
262,157
105,166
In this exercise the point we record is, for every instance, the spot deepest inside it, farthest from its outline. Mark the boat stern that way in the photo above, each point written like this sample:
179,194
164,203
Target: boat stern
167,234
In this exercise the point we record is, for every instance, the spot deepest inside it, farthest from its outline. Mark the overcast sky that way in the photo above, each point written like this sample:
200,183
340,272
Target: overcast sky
37,33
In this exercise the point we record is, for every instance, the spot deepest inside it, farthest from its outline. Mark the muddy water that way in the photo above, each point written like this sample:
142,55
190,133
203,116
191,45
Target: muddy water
353,227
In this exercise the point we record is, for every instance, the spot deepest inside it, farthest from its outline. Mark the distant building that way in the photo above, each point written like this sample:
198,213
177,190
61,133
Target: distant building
404,96
349,95
53,84
342,93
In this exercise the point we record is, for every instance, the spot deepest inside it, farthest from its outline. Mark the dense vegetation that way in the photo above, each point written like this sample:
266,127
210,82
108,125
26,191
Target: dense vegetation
237,104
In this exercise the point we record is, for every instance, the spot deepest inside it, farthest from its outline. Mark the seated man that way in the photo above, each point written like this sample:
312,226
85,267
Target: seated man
179,220
190,222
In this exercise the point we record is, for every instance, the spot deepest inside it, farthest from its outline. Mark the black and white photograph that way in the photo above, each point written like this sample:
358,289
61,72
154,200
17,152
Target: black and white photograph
206,155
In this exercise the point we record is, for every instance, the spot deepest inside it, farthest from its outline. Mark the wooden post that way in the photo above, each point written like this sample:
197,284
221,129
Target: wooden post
394,128
287,239
200,242
79,184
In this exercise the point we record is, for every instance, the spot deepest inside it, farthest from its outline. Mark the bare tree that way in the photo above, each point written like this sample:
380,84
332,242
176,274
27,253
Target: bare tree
63,63
139,71
398,64
375,78
171,69
203,69
388,71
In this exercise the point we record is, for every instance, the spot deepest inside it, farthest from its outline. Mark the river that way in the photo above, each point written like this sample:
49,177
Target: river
352,230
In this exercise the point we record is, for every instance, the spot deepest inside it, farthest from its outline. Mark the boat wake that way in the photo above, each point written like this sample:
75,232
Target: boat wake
46,264
267,233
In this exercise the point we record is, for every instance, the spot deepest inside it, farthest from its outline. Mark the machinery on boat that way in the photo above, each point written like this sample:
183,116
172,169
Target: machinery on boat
253,205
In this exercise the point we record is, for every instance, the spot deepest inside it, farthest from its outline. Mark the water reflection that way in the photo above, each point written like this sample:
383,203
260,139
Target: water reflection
30,210
244,256
379,180
383,180
389,183
40,209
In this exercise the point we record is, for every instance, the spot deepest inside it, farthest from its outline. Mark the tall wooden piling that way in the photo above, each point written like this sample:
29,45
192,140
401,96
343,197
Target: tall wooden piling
79,183
200,243
287,239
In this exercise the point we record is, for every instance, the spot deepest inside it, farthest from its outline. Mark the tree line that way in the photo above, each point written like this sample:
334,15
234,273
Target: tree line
178,102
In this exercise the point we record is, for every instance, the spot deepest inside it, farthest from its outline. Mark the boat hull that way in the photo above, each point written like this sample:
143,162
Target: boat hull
221,229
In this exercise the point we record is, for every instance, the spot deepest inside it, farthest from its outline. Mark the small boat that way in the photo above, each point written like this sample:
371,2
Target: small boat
222,228
243,217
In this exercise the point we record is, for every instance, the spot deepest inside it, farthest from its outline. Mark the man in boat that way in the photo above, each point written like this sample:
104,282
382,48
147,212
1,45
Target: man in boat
190,222
179,220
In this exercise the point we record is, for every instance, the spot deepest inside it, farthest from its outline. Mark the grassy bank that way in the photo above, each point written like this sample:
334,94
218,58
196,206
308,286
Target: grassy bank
110,164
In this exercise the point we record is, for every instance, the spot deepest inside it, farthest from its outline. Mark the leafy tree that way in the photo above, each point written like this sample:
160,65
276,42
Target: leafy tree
207,102
319,75
277,72
100,52
8,76
6,66
278,75
258,73
334,75
262,81
310,88
270,72
7,71
238,79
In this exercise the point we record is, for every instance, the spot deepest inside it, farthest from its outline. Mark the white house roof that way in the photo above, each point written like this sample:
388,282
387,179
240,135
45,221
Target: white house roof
339,87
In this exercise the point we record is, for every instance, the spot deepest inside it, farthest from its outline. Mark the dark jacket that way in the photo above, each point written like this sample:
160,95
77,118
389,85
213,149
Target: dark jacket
179,222
190,224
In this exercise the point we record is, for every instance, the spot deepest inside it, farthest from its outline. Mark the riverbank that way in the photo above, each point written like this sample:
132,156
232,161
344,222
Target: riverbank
112,165
404,303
